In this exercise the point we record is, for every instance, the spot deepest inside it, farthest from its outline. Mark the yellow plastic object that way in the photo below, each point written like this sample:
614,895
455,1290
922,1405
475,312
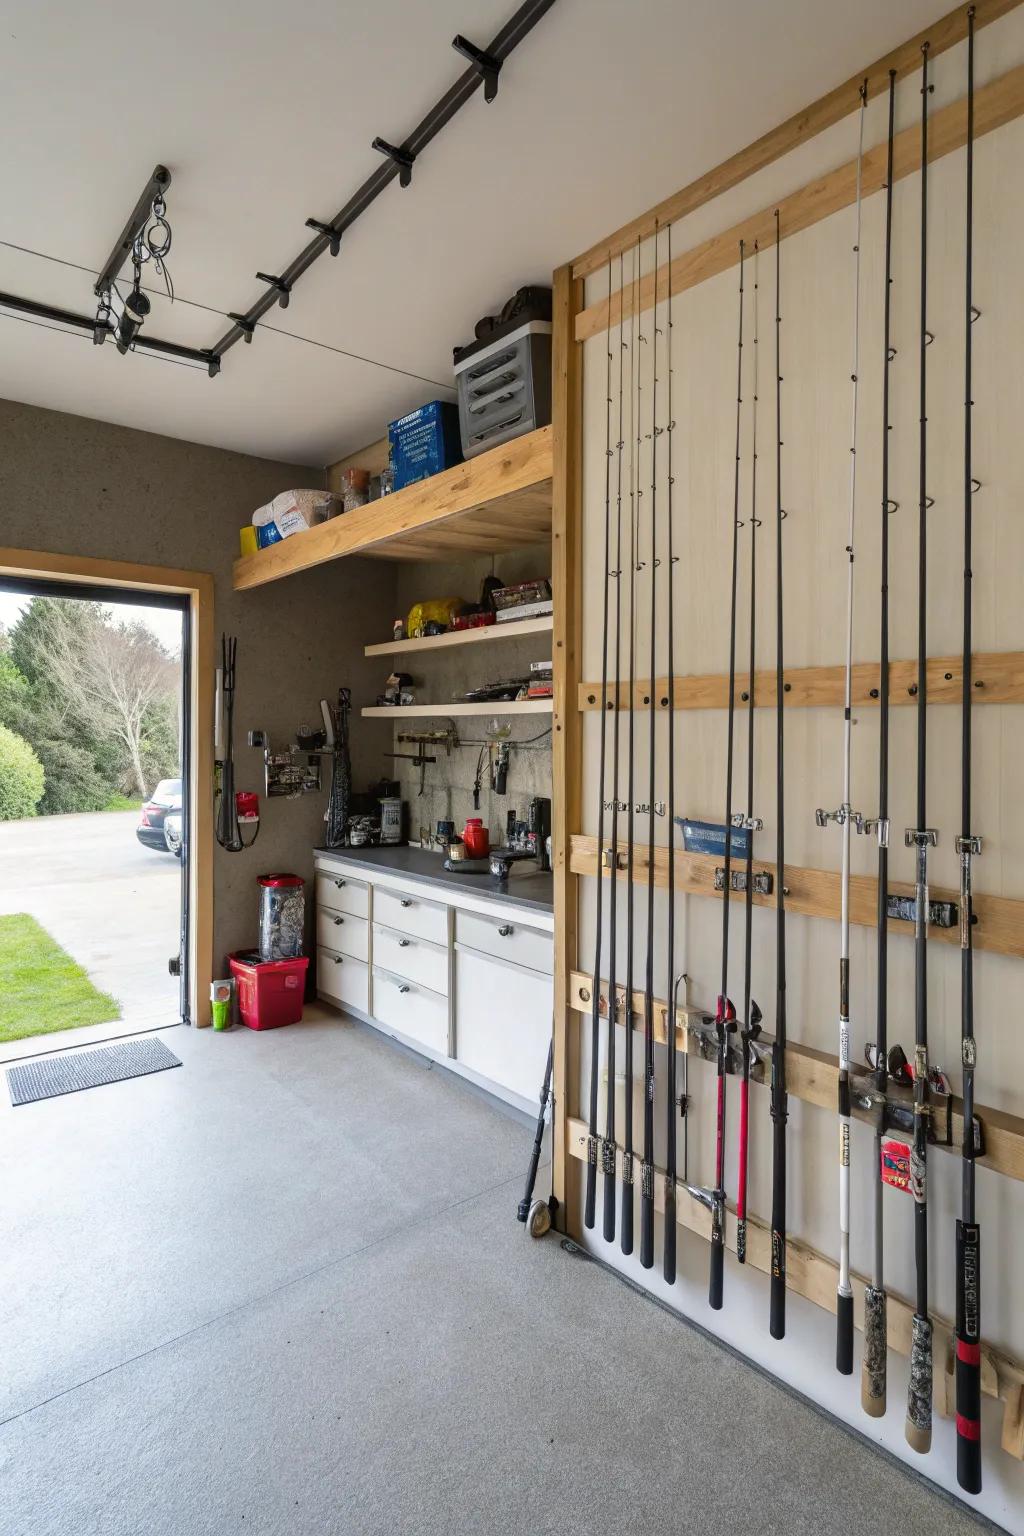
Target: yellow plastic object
440,610
247,540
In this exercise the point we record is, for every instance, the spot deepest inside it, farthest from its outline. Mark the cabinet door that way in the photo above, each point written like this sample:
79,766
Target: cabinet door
413,1010
407,913
507,938
502,1021
343,980
340,893
344,933
413,959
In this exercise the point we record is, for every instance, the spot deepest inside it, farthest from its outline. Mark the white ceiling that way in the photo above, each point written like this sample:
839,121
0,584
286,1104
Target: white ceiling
264,113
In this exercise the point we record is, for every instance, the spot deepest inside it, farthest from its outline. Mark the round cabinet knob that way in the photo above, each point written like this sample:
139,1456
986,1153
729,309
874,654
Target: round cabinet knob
338,922
405,989
505,930
406,902
337,959
339,883
404,943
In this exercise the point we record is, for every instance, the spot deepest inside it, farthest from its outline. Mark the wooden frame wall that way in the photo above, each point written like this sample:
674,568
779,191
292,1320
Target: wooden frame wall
198,587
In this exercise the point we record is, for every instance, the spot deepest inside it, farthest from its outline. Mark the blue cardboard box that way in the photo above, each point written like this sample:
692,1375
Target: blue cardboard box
424,442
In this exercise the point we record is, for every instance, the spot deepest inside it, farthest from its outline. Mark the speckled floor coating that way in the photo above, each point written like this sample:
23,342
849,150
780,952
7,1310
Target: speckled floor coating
283,1291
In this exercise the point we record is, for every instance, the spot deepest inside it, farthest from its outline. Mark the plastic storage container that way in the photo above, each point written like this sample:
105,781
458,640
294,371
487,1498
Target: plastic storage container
270,993
424,442
282,916
504,387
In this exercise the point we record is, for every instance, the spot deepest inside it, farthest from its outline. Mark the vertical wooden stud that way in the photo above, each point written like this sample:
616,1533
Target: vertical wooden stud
566,762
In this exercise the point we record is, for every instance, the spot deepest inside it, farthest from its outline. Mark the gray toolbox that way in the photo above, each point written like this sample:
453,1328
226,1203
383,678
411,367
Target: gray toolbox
504,377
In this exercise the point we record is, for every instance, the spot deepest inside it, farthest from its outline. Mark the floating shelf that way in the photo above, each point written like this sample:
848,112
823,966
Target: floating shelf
498,501
513,630
442,711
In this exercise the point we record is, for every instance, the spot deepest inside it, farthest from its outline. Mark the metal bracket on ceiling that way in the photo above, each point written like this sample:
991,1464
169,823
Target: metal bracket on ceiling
486,65
156,186
330,234
284,290
403,158
247,327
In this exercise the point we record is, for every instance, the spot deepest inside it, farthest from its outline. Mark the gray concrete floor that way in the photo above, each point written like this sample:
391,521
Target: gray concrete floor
111,903
283,1290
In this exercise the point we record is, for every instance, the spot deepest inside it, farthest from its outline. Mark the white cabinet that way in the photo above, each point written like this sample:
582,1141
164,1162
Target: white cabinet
343,980
341,893
342,932
506,937
414,959
412,1010
502,1020
408,912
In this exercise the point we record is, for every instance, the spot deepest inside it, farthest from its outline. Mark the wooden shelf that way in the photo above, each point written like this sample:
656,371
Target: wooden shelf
442,711
498,501
512,630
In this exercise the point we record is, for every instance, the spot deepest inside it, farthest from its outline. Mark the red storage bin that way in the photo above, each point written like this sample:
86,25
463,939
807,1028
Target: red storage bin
270,992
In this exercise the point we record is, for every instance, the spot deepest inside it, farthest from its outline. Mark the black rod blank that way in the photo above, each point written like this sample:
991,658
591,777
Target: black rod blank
779,1104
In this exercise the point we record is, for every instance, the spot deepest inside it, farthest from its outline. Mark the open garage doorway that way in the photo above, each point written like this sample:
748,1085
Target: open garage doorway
97,761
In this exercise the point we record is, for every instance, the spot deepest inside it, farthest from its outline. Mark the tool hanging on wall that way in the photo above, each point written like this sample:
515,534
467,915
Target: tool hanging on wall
336,728
671,1085
846,818
921,838
968,846
750,1027
874,1369
226,818
593,1140
652,808
626,1197
725,1013
779,1102
608,1159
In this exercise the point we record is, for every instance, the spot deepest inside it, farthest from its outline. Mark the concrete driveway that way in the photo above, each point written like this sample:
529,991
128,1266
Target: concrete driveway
111,903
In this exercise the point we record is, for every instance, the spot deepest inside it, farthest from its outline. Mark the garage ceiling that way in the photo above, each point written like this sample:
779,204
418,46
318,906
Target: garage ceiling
264,114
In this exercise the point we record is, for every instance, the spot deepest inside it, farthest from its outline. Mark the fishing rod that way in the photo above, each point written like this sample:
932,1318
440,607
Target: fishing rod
593,1140
921,838
626,1199
845,818
608,1150
671,1097
751,1026
968,1232
874,1365
725,1013
647,1166
779,1103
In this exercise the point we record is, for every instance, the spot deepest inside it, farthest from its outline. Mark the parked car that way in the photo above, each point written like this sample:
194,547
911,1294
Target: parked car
172,833
165,799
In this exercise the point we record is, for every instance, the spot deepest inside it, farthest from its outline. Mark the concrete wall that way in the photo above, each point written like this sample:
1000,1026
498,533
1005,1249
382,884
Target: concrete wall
75,486
447,675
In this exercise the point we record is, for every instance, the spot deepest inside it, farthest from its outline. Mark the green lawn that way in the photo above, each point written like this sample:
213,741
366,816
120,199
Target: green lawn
123,803
42,989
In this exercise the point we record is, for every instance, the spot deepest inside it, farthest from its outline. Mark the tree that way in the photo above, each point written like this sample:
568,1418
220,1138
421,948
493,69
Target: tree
21,777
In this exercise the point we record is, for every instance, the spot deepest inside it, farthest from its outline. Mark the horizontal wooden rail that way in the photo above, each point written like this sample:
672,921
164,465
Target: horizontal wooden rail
998,679
804,126
815,893
812,1076
813,1275
994,105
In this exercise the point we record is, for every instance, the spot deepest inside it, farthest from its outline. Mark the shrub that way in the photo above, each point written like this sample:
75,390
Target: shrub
21,777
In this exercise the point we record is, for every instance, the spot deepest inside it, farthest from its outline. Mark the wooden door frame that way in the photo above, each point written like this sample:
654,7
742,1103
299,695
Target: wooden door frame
197,586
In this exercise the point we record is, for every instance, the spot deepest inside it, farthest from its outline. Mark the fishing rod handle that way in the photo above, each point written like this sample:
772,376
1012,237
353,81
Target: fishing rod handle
716,1281
741,1183
609,1201
968,1356
590,1201
669,1242
873,1366
844,1334
918,1427
777,1288
647,1229
626,1229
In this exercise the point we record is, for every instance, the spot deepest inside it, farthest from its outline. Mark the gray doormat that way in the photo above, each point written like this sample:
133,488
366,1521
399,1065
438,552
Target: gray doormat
88,1069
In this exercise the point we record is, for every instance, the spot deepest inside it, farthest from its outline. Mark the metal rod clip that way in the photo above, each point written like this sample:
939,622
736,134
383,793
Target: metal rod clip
330,234
284,289
485,64
402,158
246,326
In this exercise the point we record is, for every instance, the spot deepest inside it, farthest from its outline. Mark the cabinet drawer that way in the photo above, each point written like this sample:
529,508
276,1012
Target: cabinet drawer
342,894
343,980
342,932
502,1021
507,938
411,1009
411,914
413,959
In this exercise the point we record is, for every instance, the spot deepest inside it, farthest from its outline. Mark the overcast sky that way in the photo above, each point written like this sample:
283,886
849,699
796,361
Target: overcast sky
164,624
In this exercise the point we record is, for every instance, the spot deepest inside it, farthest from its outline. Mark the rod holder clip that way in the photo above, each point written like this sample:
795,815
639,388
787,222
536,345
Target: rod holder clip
928,837
763,882
330,234
402,158
485,64
245,325
877,825
284,290
969,845
213,366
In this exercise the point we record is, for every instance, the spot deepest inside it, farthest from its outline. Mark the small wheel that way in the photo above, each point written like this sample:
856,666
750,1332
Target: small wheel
539,1220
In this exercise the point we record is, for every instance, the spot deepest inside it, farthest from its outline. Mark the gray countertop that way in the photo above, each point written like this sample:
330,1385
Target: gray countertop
533,891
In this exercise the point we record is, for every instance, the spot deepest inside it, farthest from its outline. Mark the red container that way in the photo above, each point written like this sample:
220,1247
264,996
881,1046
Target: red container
476,838
270,992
